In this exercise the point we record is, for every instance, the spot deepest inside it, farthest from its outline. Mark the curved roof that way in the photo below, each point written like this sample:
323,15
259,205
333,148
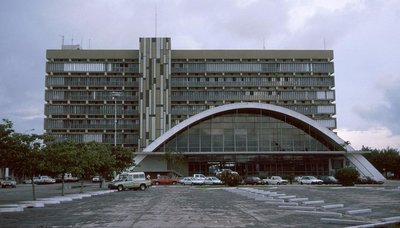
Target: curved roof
237,106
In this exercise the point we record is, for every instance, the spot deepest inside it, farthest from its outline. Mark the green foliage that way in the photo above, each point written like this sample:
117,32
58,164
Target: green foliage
7,142
384,160
123,158
347,176
230,179
20,152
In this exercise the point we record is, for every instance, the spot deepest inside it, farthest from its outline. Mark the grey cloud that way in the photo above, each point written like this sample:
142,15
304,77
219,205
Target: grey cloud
386,113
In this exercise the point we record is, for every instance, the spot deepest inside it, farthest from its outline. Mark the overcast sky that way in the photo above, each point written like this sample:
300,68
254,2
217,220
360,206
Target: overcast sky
365,37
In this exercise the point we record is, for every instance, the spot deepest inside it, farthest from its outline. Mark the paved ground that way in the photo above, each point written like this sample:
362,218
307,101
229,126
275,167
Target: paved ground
184,206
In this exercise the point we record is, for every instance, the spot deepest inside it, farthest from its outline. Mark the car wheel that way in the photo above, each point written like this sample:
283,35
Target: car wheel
120,188
278,183
301,183
157,183
174,183
142,187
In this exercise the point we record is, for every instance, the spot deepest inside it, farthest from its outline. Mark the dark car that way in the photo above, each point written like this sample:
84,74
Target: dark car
252,180
164,180
328,179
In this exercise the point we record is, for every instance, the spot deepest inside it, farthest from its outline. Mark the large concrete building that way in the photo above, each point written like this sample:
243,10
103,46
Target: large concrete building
259,112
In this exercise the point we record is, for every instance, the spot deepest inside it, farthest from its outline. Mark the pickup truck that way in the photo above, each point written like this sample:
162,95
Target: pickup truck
275,180
132,180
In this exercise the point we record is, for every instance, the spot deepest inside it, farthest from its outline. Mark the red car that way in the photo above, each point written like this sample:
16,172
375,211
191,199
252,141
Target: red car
164,180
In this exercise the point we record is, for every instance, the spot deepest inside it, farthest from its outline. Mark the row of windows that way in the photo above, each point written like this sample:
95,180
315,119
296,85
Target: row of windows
253,81
251,67
253,95
92,81
90,124
90,109
101,138
92,67
304,109
88,95
331,124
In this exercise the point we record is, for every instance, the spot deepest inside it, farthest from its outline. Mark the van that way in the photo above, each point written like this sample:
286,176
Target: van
131,180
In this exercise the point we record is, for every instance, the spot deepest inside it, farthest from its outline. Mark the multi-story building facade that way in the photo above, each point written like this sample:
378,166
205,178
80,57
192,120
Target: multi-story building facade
132,97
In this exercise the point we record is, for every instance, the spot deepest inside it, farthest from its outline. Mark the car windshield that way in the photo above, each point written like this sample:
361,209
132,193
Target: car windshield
123,177
312,178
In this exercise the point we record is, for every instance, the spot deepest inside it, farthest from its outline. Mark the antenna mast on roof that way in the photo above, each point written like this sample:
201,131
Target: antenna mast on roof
263,43
62,40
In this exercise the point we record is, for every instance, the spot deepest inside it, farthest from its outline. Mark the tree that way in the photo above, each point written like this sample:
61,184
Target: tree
90,158
123,158
22,153
7,142
347,176
229,178
384,160
61,158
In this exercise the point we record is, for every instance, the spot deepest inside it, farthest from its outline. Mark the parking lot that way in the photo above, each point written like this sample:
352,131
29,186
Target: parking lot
186,206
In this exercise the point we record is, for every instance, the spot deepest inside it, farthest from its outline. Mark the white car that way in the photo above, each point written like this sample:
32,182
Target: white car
310,180
44,180
275,180
212,181
131,180
186,181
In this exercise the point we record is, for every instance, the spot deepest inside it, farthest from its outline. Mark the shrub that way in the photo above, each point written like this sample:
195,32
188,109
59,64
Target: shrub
230,179
347,176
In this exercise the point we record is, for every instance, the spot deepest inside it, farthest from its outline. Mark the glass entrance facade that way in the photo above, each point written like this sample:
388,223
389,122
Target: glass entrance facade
266,165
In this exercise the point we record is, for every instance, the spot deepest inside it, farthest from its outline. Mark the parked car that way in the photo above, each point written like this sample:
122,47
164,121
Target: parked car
275,180
212,181
186,180
310,180
297,178
164,180
67,178
9,182
198,179
29,181
97,179
328,179
252,180
219,172
133,180
44,180
368,180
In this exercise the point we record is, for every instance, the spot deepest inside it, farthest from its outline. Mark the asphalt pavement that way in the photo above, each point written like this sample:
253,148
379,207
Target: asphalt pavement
186,206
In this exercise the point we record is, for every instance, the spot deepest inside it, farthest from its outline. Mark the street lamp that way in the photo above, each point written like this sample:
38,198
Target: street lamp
114,97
